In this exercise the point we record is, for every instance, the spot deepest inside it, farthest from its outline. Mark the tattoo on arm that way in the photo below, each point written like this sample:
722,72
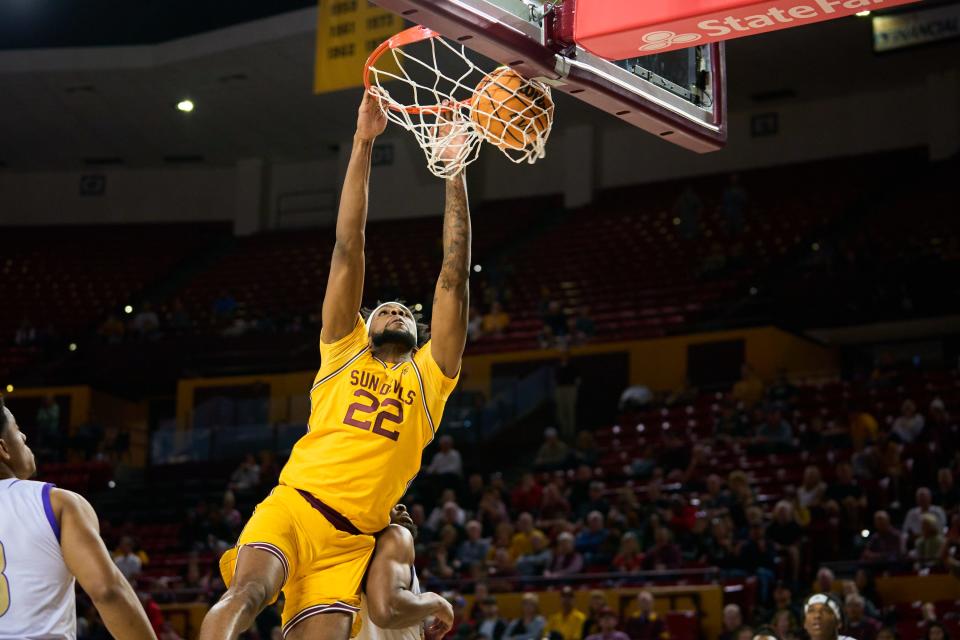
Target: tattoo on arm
456,237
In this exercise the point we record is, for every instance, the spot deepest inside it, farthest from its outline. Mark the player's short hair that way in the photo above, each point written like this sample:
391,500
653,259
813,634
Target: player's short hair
3,418
423,329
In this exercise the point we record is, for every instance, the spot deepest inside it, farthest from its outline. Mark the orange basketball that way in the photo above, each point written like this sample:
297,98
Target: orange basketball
511,111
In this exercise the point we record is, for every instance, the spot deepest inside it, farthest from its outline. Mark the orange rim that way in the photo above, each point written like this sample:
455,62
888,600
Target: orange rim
403,39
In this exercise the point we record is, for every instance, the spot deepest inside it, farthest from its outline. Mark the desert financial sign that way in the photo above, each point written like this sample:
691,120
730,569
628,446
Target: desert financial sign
619,29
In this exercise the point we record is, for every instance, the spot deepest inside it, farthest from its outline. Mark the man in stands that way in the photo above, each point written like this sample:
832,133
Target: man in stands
886,544
859,625
913,522
608,627
568,622
732,620
644,623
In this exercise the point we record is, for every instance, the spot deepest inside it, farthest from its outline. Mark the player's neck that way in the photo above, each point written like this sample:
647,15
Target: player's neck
6,472
392,353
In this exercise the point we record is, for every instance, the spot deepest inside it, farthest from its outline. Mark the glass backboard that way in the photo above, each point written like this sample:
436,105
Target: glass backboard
676,95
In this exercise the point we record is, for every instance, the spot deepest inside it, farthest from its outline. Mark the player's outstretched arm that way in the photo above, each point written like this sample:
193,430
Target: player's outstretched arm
87,559
451,301
391,603
345,282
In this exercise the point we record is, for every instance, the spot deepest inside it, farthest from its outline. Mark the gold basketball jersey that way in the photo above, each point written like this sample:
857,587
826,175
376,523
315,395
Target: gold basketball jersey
369,423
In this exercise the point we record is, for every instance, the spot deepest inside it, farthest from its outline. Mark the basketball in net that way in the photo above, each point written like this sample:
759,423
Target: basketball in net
512,112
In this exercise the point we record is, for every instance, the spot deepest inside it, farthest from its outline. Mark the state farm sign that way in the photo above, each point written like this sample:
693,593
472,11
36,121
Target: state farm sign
618,29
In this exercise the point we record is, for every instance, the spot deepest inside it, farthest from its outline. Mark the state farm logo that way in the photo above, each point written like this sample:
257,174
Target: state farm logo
657,40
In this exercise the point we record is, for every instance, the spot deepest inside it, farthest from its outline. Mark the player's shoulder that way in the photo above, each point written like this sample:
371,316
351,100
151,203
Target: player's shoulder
66,501
395,534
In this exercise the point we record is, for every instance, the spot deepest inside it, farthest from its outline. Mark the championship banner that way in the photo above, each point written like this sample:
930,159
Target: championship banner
347,31
621,29
903,30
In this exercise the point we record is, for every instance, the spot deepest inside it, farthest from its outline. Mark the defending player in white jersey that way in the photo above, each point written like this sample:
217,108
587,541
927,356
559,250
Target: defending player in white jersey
392,607
49,540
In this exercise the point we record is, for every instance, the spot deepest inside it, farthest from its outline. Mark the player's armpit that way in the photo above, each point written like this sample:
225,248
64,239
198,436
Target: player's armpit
87,558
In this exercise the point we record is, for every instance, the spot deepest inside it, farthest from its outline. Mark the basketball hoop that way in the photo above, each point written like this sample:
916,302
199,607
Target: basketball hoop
441,109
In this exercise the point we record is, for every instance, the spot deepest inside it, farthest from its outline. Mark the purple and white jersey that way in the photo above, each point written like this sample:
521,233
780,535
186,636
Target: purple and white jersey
37,599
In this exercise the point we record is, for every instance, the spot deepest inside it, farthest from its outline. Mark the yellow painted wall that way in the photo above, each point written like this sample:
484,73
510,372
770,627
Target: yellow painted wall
659,363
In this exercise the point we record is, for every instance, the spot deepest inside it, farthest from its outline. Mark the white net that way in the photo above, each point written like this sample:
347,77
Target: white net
451,112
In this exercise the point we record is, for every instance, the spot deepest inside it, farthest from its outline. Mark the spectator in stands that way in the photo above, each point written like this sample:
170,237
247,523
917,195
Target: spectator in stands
586,451
224,305
556,320
909,425
769,633
568,622
912,523
936,631
496,321
146,324
859,625
756,557
475,548
26,334
491,625
812,490
717,499
733,205
775,434
783,606
474,493
608,627
749,390
595,501
567,379
887,633
475,325
178,320
527,495
598,602
553,453
629,559
566,560
127,559
885,544
530,624
582,327
664,555
950,551
554,508
112,330
947,494
644,623
231,515
492,511
446,512
446,462
635,398
863,426
927,546
786,535
781,391
521,542
732,621
590,541
845,492
539,558
247,476
48,428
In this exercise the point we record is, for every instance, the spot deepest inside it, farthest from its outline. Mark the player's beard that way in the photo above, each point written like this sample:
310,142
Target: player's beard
403,338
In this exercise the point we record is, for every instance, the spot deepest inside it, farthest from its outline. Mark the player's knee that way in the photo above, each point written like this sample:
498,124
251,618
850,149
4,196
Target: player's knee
249,597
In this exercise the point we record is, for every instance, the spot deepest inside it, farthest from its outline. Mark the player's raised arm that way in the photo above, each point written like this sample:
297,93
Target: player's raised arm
390,602
345,282
87,558
451,301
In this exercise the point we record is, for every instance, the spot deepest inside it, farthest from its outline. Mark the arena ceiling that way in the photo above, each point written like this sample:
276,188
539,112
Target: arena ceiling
66,108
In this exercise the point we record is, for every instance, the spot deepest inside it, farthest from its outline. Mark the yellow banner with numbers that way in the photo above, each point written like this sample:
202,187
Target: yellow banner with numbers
347,31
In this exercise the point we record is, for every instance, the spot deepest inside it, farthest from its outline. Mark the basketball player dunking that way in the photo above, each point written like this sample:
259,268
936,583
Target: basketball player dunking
375,404
49,540
393,607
